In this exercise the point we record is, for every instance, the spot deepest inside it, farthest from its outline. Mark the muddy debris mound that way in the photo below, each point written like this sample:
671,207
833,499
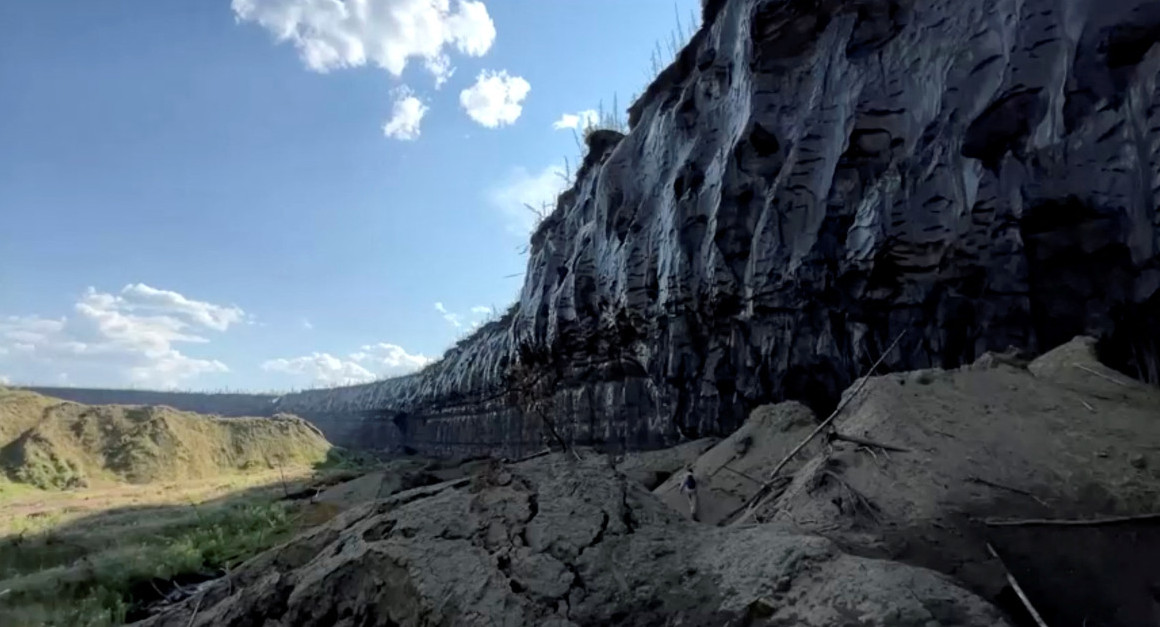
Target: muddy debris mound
921,467
557,542
653,468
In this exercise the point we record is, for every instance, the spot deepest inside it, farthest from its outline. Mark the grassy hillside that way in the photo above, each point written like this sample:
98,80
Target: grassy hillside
20,411
171,498
57,445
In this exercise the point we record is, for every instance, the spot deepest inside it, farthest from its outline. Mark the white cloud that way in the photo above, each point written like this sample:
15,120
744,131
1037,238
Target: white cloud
406,115
474,320
307,325
322,368
451,318
330,34
5,380
390,358
579,120
496,99
124,337
371,362
522,190
141,297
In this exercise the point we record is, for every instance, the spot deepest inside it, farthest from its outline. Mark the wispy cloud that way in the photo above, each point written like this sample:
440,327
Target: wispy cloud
517,196
307,325
478,314
580,120
370,362
451,318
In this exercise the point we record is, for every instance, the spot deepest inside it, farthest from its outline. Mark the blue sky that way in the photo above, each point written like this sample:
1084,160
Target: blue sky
274,194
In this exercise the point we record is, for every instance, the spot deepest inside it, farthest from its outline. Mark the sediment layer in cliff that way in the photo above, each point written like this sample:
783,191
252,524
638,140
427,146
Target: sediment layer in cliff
806,182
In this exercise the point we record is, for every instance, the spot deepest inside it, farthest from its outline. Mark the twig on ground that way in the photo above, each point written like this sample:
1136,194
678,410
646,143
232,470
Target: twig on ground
1089,407
1018,590
196,607
1100,374
778,485
753,502
867,443
1008,488
547,451
740,474
858,496
722,466
1108,520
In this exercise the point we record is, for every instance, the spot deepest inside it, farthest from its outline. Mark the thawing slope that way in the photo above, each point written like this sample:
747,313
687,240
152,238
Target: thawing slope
808,180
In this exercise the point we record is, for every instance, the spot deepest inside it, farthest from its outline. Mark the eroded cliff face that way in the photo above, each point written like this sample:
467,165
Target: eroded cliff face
807,181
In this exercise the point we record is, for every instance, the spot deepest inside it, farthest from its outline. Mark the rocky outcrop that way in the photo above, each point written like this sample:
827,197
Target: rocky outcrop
555,542
807,181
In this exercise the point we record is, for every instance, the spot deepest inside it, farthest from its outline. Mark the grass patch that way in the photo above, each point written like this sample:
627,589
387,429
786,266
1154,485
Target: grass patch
98,570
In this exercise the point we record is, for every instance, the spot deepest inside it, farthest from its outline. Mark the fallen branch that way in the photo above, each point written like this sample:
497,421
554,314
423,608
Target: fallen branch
869,443
1008,488
546,451
1018,589
1109,520
1089,407
778,491
196,607
822,427
859,498
1100,374
722,466
838,410
740,474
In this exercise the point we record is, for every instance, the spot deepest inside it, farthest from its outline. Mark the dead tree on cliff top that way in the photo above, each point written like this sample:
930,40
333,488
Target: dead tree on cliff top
535,394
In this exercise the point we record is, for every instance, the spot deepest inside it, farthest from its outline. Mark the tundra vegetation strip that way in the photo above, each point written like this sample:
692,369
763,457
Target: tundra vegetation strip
94,559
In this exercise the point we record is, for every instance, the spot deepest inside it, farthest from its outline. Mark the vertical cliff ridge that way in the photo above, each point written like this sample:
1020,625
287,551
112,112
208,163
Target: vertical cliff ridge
807,181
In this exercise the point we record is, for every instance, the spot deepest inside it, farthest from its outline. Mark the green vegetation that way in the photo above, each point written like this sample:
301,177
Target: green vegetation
106,508
97,570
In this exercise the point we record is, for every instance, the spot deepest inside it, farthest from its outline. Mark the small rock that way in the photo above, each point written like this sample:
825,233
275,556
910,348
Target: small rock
1138,461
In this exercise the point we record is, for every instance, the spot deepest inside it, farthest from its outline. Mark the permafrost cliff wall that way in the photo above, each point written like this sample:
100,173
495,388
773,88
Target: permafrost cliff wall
807,181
